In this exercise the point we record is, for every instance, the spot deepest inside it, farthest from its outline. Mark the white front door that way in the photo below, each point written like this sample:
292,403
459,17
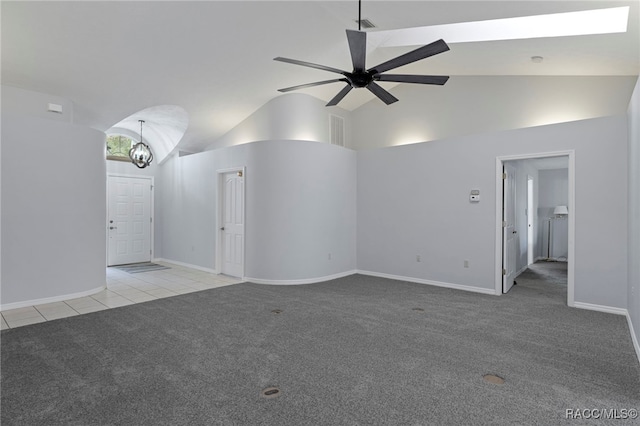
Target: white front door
232,229
509,232
129,218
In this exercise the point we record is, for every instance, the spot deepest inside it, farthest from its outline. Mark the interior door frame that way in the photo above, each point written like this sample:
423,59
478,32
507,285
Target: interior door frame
219,214
151,211
571,218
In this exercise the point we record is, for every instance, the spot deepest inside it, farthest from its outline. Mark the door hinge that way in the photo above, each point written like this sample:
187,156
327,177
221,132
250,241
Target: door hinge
151,219
151,186
504,223
504,176
504,272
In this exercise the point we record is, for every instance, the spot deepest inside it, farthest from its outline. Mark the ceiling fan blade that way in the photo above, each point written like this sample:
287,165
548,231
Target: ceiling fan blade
340,95
420,79
434,48
309,64
384,96
358,47
317,83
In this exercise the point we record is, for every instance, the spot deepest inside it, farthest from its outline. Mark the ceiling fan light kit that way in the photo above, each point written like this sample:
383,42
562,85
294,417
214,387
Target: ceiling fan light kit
367,77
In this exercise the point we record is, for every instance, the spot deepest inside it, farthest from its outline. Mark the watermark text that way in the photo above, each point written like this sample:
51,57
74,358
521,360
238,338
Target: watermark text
601,413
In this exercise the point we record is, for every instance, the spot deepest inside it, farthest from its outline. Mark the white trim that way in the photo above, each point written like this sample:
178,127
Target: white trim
571,218
220,201
302,281
186,265
600,308
636,345
26,303
430,282
151,212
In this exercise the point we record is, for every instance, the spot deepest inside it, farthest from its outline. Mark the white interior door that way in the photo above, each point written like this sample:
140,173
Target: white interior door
530,220
129,217
232,230
509,230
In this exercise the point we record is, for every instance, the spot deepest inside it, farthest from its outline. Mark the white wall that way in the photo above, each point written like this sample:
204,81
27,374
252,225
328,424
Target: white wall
469,105
300,206
293,116
53,209
633,294
414,199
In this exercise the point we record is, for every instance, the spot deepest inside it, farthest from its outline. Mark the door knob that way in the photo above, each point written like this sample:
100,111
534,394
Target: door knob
113,227
515,232
222,229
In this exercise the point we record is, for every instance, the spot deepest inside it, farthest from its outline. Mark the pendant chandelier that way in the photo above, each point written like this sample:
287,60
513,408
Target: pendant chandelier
141,154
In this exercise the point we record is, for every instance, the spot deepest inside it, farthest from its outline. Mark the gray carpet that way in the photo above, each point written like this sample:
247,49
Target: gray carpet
135,268
352,351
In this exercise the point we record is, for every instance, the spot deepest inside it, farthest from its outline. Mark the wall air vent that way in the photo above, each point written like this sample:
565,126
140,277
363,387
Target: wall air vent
336,130
365,24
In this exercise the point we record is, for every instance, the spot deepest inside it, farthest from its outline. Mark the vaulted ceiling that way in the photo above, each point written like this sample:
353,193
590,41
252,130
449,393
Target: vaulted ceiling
215,59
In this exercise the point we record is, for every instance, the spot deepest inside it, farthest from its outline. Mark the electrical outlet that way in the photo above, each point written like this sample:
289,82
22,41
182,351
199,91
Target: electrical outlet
418,259
466,263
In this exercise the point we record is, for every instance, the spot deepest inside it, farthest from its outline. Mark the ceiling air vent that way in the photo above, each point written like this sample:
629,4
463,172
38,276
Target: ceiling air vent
365,24
336,130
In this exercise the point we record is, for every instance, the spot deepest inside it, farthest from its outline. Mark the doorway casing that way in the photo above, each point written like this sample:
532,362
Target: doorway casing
571,217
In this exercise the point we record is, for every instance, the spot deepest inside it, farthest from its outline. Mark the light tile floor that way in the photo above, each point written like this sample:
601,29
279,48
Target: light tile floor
122,289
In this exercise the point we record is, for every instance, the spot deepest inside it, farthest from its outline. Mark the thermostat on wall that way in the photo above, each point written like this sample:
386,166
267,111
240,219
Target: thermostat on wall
474,197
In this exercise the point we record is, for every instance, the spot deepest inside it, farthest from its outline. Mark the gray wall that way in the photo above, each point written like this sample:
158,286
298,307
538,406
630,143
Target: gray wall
292,116
300,206
413,200
469,105
633,293
53,207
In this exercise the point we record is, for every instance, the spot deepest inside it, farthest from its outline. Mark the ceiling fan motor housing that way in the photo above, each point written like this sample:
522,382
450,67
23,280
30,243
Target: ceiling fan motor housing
360,78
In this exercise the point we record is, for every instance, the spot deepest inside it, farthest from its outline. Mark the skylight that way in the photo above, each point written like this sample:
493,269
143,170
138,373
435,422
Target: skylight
600,21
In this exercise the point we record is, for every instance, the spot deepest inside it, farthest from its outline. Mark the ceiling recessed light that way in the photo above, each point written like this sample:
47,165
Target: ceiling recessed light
537,59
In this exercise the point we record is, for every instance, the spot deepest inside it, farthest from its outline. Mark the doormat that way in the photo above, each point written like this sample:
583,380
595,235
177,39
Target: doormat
135,268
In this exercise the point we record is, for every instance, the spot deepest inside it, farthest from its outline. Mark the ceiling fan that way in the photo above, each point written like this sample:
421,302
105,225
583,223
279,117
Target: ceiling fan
367,77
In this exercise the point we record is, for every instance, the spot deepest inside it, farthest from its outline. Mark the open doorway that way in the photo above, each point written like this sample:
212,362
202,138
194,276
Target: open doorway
543,224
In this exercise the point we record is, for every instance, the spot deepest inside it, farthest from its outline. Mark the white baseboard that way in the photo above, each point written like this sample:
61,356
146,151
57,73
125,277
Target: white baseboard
301,281
600,308
186,265
430,282
26,303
